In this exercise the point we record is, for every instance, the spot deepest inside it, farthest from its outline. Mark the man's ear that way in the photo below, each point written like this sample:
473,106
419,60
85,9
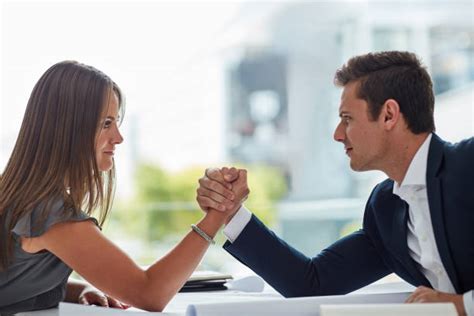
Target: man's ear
390,113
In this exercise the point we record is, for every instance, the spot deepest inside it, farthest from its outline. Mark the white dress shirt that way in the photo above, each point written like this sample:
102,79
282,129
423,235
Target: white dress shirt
420,237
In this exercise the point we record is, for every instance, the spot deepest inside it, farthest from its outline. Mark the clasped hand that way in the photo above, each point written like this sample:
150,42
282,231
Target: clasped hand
223,190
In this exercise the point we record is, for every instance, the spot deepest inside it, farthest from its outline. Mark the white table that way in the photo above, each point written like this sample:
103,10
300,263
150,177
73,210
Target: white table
176,307
180,302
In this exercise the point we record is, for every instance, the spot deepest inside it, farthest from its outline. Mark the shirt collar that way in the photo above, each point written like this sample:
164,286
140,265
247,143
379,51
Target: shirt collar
416,173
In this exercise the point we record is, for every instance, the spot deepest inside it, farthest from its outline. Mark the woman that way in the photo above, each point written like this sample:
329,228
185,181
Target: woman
60,171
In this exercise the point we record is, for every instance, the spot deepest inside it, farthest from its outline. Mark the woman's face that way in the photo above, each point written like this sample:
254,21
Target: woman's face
108,134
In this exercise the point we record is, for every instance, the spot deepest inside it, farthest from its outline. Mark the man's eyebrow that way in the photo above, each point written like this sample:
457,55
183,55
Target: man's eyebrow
342,113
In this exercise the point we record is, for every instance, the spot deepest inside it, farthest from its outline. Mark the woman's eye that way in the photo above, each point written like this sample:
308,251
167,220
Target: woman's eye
107,123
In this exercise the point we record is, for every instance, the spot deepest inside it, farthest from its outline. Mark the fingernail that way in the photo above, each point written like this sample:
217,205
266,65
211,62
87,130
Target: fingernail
232,197
222,207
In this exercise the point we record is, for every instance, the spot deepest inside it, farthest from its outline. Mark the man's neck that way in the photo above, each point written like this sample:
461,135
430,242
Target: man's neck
401,155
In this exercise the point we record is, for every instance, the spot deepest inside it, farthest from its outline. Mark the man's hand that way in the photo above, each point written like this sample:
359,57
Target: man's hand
426,295
223,190
91,296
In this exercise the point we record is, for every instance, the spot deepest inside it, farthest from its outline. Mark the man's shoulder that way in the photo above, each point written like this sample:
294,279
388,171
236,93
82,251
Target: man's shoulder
380,206
383,188
463,147
382,197
459,155
381,194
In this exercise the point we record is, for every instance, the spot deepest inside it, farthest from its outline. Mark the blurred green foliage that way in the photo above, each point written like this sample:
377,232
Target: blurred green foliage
165,206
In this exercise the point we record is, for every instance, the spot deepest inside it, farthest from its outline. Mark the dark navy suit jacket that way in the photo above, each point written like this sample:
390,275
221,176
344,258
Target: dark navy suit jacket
380,247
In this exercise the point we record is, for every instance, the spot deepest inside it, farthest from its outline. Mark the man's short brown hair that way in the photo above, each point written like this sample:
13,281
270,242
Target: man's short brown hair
393,75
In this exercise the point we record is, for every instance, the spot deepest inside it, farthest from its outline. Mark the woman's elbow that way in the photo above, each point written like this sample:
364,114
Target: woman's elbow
155,305
153,301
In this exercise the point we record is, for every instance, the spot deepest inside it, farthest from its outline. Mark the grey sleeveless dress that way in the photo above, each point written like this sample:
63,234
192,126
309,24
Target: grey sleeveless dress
36,281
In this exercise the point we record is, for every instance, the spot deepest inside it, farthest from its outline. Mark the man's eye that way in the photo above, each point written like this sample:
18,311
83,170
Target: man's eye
107,123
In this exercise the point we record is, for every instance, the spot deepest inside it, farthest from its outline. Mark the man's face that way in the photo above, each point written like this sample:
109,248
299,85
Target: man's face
364,140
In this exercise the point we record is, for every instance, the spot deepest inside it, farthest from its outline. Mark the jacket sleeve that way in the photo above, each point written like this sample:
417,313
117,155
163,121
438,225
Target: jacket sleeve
348,264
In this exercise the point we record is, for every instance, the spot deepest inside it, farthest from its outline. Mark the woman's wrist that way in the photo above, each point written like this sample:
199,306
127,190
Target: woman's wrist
212,222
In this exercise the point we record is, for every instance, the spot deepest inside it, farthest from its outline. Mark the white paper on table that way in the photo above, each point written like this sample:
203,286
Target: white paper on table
425,309
250,284
305,306
80,310
389,287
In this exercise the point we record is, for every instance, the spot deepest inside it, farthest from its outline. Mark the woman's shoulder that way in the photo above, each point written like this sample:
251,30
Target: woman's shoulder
46,214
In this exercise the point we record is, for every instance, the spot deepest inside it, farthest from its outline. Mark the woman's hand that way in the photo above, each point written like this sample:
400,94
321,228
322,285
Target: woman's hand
91,296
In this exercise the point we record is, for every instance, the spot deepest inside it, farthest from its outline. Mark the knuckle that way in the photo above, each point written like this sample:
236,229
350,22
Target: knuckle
201,200
206,183
214,186
215,197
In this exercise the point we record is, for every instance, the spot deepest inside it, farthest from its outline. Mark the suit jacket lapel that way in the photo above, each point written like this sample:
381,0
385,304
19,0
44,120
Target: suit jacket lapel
433,187
399,241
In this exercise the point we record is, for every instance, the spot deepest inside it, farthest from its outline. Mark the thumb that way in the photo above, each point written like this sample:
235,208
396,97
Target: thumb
230,174
242,174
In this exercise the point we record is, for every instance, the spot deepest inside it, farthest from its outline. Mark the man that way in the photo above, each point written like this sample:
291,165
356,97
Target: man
417,224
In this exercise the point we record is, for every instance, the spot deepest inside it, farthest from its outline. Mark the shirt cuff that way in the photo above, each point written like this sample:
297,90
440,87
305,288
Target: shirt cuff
237,224
468,299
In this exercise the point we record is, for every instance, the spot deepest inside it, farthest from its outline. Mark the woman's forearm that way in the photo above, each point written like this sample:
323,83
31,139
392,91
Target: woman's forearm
169,274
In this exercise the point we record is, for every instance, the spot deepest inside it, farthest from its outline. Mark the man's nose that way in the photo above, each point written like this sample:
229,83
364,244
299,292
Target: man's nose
339,133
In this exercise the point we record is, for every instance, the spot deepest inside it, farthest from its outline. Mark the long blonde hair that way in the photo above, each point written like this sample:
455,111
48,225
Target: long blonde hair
54,155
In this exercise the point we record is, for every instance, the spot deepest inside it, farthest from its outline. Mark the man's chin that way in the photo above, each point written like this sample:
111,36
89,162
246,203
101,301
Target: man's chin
357,167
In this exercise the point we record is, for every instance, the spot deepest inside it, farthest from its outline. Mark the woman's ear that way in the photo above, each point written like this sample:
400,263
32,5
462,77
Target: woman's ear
390,113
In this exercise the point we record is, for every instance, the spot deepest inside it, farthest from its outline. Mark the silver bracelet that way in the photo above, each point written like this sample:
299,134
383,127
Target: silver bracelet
201,233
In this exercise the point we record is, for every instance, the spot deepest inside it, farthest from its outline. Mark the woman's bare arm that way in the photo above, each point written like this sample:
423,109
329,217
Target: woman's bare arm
83,247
